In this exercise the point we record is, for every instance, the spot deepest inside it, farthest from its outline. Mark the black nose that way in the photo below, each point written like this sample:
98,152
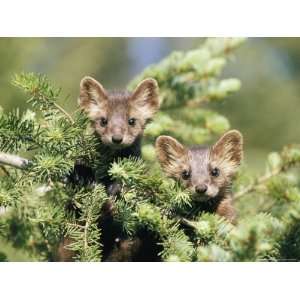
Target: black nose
201,189
117,139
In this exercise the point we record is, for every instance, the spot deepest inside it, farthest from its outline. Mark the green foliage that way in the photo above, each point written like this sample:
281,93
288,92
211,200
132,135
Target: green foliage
18,131
41,207
8,193
42,95
38,197
187,80
84,232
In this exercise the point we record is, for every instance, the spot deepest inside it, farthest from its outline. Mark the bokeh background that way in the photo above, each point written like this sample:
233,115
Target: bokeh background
266,109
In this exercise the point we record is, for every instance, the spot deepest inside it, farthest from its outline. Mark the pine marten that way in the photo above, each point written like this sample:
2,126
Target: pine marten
118,119
206,171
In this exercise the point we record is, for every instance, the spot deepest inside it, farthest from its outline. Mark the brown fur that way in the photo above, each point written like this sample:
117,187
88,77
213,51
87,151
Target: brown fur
117,108
172,156
213,192
225,209
124,250
64,254
228,152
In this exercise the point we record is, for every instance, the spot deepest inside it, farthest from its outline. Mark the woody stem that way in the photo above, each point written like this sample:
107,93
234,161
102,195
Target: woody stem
260,181
13,160
64,112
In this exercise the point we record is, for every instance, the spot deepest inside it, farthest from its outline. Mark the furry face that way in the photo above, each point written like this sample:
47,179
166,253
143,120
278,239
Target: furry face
119,118
206,171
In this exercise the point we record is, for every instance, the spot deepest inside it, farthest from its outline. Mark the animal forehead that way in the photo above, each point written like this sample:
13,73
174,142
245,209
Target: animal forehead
118,102
119,97
199,157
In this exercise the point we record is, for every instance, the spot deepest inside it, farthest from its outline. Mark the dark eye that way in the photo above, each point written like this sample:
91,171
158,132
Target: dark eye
131,121
215,172
185,174
103,122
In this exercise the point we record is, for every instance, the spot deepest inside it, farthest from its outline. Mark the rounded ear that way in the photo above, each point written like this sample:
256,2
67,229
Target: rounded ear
170,153
229,148
146,97
92,93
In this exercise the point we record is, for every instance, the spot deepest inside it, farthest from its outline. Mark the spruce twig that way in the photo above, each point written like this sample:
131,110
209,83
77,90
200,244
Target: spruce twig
258,182
186,222
64,112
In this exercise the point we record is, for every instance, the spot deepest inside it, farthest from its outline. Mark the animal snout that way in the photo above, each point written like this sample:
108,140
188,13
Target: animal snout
201,189
117,139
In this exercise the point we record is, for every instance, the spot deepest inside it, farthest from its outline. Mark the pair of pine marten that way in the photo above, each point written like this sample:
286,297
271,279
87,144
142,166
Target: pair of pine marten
119,119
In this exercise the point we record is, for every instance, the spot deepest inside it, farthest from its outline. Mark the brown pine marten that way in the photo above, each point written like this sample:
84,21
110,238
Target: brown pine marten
118,119
206,171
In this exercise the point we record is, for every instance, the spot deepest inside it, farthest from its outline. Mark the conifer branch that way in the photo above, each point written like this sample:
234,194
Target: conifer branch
85,235
64,112
13,160
278,163
258,182
41,92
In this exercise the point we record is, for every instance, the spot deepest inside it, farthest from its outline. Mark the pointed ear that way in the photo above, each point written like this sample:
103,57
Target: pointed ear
171,155
92,95
228,150
145,98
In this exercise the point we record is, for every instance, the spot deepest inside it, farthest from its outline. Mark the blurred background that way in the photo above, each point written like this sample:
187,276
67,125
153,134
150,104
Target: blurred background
266,109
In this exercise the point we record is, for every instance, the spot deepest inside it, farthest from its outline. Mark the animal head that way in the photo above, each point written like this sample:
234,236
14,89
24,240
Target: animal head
119,117
204,170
